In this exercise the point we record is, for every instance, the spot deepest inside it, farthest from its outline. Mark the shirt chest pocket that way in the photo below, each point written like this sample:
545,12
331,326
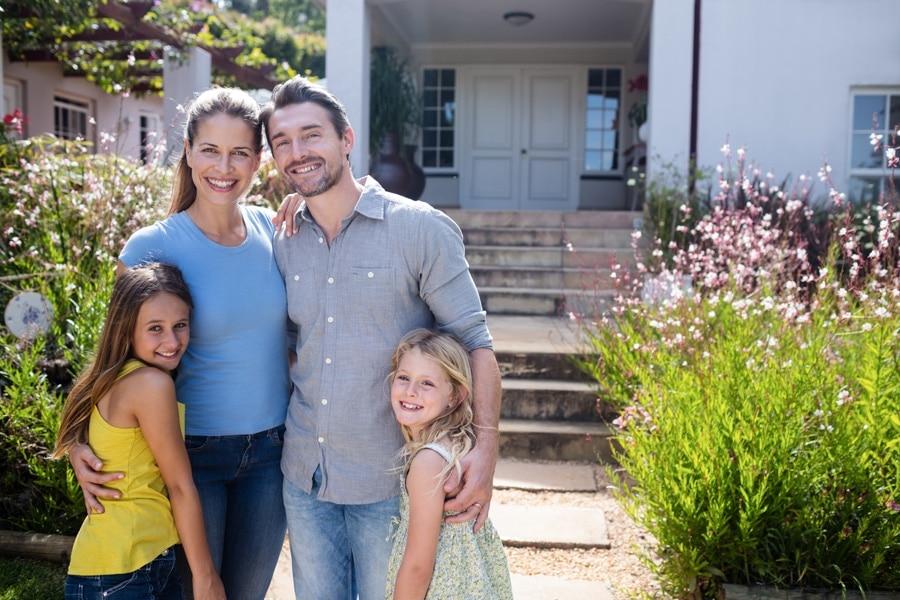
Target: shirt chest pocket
373,284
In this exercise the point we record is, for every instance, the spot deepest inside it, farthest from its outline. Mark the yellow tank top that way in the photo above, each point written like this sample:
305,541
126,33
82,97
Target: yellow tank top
135,529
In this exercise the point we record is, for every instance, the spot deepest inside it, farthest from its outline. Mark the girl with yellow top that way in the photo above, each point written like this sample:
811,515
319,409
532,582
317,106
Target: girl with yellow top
124,406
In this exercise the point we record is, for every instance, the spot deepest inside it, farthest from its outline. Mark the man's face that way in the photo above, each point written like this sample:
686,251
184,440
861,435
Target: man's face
308,151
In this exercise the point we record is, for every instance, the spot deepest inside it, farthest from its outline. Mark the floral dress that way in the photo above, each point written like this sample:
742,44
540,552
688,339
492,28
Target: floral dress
467,566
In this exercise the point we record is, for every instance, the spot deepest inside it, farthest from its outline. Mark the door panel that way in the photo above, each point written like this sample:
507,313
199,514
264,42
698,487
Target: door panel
517,146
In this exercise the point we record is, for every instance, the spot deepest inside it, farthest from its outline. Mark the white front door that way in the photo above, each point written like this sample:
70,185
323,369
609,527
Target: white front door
518,145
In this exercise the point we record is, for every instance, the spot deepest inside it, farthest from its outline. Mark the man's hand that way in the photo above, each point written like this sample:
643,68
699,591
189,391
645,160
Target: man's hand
92,481
285,215
471,498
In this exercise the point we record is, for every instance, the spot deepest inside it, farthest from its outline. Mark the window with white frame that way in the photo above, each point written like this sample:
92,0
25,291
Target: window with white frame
70,118
604,113
150,137
438,118
875,115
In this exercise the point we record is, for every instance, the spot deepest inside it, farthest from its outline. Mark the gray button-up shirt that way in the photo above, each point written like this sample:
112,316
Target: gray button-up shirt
394,266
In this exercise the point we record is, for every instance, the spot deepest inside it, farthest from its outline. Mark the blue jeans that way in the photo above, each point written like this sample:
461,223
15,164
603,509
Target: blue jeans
157,580
338,549
239,481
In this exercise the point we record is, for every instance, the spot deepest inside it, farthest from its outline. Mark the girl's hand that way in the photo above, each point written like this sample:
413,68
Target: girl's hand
208,588
473,499
92,481
285,215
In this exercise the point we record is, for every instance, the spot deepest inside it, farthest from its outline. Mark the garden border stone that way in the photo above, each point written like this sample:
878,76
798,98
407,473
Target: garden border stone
765,592
42,546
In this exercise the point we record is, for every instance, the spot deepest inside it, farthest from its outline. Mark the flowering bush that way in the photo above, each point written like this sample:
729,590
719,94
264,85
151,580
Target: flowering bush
759,395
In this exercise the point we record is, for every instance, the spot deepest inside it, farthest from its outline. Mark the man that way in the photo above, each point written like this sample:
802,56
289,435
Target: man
363,268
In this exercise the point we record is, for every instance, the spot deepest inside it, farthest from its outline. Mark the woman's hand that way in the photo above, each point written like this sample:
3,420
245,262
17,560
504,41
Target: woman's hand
285,215
92,480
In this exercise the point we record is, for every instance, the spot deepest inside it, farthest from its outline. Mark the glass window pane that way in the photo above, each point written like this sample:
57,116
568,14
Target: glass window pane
613,78
606,160
430,77
864,107
429,138
611,100
448,78
591,161
447,115
446,158
429,98
863,154
595,78
448,96
447,138
595,101
864,190
429,158
430,118
594,119
593,140
894,116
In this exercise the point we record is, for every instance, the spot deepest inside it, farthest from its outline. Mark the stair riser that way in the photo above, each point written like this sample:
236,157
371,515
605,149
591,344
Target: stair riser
555,446
551,238
585,218
539,303
554,406
547,257
539,366
540,279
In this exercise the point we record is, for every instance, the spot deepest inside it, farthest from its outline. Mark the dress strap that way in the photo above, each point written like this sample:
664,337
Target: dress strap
440,449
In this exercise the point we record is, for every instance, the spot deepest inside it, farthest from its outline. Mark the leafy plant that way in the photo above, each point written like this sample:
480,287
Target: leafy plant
759,395
393,98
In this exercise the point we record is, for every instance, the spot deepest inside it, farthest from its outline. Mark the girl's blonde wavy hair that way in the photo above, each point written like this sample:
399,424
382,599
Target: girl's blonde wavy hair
457,426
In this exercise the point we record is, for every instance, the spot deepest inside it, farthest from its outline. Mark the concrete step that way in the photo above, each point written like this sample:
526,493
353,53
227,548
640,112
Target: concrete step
548,237
555,440
544,587
538,364
550,526
555,476
542,257
592,219
542,278
529,301
553,400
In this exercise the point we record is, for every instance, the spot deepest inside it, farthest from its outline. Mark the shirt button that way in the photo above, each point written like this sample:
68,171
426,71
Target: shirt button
331,280
327,361
371,275
324,401
321,440
296,278
331,319
321,240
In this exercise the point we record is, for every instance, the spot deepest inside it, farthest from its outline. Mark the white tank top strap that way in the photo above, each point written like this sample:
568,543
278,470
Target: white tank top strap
440,450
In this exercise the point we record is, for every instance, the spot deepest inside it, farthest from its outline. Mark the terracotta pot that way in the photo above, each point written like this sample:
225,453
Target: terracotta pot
389,168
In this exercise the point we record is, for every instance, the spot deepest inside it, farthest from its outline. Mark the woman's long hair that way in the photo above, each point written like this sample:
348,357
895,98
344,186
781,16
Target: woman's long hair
456,426
230,101
131,290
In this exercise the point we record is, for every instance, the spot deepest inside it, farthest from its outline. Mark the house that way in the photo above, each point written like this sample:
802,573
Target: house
530,105
526,102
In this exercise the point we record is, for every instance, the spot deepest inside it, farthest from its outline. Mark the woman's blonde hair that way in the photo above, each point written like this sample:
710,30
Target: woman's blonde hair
456,426
131,290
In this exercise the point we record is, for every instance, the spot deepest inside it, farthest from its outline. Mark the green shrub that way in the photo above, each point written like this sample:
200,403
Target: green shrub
760,403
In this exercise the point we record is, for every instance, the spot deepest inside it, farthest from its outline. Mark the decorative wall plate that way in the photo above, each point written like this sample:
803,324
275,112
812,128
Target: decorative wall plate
28,314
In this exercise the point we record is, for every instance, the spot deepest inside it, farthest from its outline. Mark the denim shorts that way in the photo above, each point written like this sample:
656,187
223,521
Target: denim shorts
157,580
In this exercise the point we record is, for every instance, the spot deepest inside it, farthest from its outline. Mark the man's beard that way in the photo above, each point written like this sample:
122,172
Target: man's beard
315,188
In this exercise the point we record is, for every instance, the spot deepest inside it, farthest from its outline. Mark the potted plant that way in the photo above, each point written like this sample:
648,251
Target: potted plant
393,118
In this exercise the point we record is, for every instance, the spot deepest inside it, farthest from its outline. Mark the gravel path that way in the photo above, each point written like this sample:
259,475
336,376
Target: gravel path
620,566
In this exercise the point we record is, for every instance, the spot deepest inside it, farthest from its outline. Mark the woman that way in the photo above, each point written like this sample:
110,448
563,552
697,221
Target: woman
233,378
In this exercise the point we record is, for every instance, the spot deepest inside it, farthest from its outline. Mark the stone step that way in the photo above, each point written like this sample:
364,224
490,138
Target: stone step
542,278
541,363
548,476
609,219
529,301
544,587
555,440
523,256
548,237
553,400
550,526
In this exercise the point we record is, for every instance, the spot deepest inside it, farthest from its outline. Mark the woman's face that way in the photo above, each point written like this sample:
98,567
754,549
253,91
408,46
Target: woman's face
223,159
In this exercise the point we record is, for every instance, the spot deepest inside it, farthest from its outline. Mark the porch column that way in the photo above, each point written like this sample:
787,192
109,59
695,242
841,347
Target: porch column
181,84
669,96
347,70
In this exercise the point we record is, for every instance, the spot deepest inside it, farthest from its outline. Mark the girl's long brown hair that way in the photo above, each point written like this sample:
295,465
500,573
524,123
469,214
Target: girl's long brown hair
132,288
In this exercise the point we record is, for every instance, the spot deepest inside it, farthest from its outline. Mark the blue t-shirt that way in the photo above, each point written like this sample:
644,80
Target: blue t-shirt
233,379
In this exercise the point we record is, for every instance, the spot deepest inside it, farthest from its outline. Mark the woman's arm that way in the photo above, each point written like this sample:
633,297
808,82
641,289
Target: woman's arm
87,469
285,215
150,394
426,506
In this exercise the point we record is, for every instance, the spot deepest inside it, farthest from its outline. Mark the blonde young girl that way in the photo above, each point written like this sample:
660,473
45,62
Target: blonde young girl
431,395
124,406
